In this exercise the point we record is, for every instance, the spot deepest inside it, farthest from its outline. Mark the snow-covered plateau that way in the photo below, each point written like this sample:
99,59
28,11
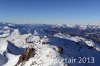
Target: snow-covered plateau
49,45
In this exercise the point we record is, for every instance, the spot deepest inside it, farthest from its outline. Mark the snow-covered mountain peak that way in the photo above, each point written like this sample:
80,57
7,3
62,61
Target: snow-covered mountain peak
34,45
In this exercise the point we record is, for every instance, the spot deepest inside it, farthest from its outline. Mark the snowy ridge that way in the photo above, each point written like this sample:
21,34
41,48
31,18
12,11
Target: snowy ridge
48,45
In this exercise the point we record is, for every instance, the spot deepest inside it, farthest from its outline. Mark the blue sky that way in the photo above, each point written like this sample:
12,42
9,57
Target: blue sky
50,11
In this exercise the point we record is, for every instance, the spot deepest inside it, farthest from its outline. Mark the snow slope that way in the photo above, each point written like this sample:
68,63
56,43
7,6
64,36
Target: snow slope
49,45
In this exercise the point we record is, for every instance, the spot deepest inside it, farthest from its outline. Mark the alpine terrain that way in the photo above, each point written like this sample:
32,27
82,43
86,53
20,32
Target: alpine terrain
49,45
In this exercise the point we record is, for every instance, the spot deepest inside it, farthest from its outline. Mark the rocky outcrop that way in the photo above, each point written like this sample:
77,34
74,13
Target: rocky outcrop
28,53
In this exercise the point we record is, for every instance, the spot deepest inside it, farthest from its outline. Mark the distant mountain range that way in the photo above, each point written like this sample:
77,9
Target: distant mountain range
49,45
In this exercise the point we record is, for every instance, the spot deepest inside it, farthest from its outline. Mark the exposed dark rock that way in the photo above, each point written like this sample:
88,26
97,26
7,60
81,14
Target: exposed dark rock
60,50
28,53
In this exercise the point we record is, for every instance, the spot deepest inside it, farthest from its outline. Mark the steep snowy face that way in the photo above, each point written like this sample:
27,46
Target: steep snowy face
49,45
3,46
